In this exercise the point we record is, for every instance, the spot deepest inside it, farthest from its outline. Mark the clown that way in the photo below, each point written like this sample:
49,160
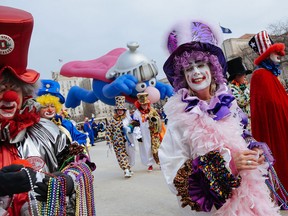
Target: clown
269,103
30,146
205,160
239,85
119,72
51,101
150,127
119,134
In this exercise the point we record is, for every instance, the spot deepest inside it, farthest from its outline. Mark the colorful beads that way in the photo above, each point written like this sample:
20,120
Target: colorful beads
56,198
31,193
84,188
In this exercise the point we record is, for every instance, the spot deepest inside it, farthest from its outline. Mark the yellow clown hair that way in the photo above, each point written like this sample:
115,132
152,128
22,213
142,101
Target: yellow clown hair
47,99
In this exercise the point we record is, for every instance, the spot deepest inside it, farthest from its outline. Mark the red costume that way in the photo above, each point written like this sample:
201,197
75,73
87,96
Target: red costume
269,118
269,103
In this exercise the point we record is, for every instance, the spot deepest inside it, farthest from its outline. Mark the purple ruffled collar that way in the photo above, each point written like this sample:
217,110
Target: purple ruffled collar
219,104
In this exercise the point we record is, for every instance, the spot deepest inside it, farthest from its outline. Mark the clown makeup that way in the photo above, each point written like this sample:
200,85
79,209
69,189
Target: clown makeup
198,75
120,112
275,58
48,111
11,98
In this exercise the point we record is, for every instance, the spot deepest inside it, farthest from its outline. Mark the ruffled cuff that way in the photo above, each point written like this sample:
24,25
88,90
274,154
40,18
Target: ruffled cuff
204,182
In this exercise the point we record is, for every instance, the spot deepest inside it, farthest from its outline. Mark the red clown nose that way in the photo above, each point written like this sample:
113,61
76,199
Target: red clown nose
10,96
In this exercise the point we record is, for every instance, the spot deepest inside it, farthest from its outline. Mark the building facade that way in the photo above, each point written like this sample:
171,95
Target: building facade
98,109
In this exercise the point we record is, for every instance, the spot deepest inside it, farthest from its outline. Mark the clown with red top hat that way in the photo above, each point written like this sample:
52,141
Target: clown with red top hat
30,145
269,102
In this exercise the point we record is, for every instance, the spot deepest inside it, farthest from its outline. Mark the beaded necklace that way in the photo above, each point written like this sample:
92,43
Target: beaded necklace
269,182
31,194
56,198
84,188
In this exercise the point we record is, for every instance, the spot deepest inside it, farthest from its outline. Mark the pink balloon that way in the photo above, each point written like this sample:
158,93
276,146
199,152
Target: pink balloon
153,94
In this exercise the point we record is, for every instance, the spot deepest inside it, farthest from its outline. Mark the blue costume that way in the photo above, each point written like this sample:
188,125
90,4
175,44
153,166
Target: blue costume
88,128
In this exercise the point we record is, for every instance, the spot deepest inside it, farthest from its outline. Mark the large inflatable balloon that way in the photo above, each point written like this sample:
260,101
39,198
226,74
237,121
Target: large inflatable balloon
119,72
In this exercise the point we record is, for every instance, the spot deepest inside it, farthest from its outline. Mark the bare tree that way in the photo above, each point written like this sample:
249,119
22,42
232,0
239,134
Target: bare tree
279,28
279,34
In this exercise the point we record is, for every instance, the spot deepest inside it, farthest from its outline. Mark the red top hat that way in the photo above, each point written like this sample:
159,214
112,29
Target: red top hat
15,32
262,44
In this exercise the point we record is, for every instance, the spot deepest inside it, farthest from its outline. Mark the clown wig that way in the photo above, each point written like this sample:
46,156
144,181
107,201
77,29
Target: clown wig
182,62
48,99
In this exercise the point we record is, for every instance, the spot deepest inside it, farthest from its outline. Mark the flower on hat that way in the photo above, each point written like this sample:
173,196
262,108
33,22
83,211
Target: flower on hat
194,40
51,87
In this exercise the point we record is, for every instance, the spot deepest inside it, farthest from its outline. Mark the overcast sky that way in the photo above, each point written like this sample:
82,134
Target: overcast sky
87,29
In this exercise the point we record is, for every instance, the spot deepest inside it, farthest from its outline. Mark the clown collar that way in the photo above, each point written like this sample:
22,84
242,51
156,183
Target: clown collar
218,106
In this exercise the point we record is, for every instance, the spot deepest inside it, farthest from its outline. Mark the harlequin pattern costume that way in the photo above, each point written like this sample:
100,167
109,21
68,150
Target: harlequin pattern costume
116,135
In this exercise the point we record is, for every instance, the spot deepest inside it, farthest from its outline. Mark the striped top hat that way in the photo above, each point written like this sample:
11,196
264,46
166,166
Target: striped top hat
263,45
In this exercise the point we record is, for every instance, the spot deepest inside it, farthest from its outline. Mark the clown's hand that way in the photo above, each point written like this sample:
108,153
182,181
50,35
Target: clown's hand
14,179
41,188
124,84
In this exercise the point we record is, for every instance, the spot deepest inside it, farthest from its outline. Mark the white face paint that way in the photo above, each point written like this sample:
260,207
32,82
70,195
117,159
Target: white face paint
198,75
7,109
48,111
10,99
275,58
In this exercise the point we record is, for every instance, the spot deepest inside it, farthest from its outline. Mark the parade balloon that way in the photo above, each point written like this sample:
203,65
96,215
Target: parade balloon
153,94
119,72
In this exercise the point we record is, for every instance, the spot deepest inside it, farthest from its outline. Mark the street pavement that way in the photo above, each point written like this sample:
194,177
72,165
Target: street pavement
145,193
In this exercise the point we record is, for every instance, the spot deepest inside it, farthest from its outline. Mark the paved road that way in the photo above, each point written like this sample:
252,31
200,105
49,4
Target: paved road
146,193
